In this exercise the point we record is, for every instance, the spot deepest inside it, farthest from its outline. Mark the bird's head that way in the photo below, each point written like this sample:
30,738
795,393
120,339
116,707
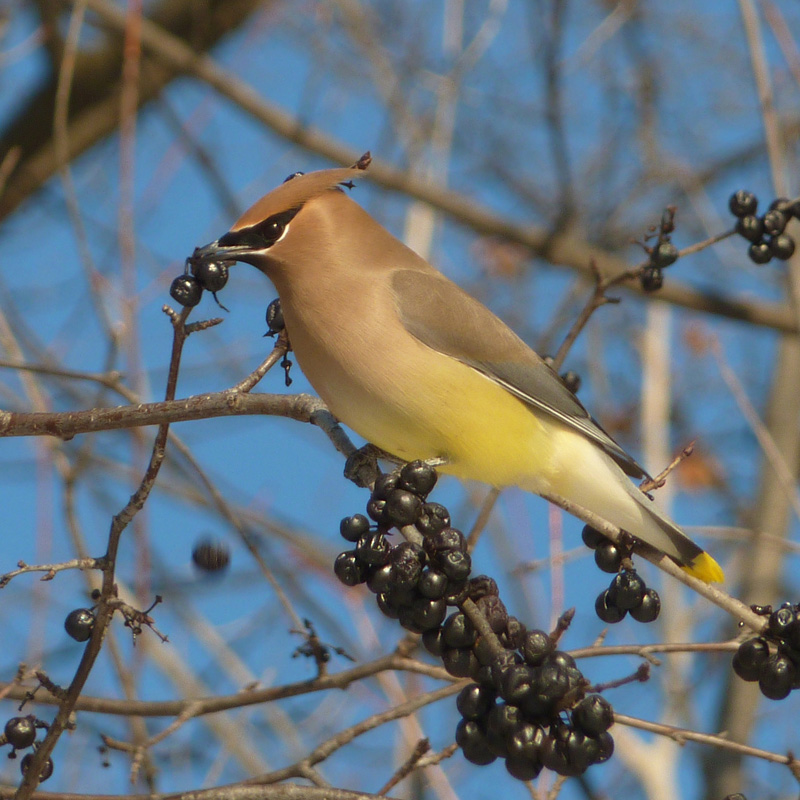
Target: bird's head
261,235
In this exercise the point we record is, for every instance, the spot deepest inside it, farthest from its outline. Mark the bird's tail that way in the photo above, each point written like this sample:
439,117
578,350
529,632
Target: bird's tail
604,488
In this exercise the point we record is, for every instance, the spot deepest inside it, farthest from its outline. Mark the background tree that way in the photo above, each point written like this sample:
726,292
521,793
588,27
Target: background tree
518,146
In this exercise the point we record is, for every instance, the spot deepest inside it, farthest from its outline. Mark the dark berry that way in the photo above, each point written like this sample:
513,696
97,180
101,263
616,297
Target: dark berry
380,579
523,769
211,275
606,748
186,290
743,203
751,228
20,732
456,592
388,606
376,509
79,624
474,702
781,621
777,677
211,556
517,684
593,715
536,647
782,247
608,557
385,484
626,590
433,518
665,255
472,741
524,743
759,253
349,569
514,634
592,538
460,662
47,768
606,610
501,723
501,663
407,618
418,477
353,528
406,560
428,614
432,642
373,549
775,222
455,564
783,204
458,631
275,323
402,508
649,609
652,279
432,583
749,659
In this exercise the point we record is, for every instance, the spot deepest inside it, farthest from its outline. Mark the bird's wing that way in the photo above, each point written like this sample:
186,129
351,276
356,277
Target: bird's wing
444,317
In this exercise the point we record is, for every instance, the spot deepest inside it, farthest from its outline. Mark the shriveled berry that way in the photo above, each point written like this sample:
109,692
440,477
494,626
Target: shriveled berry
759,253
447,539
79,624
494,611
777,677
211,275
433,518
474,701
783,204
626,590
481,586
353,528
649,609
750,658
608,557
782,247
349,569
418,477
406,560
775,222
781,621
20,732
456,592
501,663
606,610
593,715
517,684
652,279
211,555
402,507
46,771
750,227
513,636
665,255
536,647
742,203
524,743
186,290
275,321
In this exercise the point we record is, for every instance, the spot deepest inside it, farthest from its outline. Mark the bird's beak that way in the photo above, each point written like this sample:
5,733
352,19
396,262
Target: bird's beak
214,251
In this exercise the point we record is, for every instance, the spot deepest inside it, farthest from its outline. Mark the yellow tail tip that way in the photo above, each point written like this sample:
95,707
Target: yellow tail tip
706,569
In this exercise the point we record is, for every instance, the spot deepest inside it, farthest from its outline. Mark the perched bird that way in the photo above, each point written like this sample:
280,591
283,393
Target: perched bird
422,370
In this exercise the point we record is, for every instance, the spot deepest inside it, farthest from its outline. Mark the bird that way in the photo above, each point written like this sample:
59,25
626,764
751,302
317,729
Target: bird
422,370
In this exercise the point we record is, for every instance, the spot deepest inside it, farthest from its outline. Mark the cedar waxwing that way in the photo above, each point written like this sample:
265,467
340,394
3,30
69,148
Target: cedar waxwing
420,369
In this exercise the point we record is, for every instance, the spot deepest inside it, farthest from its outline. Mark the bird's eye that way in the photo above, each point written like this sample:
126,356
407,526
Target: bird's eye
272,228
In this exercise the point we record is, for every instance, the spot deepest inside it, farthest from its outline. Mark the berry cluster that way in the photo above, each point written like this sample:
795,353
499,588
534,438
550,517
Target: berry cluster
628,592
766,232
527,704
200,274
662,254
773,659
20,733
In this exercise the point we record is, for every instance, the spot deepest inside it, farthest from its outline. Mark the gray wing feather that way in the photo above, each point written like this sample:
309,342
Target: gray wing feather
444,317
